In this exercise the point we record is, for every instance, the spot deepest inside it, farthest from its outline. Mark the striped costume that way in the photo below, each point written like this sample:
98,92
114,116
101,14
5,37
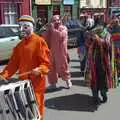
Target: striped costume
116,54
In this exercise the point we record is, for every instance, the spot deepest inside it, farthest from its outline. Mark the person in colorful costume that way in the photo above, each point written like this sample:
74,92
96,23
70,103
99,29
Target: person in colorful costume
57,37
98,59
115,38
31,54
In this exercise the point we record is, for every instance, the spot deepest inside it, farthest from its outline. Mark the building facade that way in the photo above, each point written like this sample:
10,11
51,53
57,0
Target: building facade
10,10
46,8
94,8
74,8
114,8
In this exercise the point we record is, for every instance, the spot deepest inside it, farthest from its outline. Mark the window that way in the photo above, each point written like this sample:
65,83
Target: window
10,13
115,3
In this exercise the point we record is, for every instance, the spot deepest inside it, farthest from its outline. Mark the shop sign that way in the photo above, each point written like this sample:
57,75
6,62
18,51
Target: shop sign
93,4
104,4
43,2
56,2
68,2
85,3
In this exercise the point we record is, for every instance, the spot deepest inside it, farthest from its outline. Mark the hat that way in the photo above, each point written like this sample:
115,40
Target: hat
27,18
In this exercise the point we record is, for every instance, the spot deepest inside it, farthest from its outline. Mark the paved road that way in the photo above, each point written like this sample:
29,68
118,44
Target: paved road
75,103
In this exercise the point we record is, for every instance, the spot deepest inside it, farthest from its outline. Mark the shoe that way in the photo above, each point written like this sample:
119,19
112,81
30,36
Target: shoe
104,99
52,87
69,83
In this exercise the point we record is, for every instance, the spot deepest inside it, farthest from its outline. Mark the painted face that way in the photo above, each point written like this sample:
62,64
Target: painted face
56,20
100,28
25,29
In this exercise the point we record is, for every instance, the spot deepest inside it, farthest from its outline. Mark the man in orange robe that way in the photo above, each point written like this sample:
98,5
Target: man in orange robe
31,54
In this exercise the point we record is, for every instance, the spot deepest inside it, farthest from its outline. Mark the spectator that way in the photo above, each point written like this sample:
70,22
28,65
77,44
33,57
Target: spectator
38,24
89,23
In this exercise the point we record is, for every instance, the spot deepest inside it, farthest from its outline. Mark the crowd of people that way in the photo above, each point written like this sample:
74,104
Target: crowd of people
48,55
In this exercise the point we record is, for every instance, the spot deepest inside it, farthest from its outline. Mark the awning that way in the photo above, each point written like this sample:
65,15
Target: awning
98,13
42,2
83,14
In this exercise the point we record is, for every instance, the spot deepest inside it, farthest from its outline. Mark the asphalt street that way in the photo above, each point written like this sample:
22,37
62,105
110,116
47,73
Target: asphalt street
76,103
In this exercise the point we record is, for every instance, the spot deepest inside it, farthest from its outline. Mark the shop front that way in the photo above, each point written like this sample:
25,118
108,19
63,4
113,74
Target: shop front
115,8
42,10
68,7
48,8
96,9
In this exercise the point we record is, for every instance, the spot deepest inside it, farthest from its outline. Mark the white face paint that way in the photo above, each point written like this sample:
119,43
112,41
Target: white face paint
25,28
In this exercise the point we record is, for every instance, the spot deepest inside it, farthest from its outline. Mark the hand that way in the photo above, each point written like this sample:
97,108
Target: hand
3,79
36,71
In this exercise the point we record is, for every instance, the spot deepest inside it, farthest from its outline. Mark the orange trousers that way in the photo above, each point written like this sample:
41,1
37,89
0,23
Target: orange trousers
39,90
40,99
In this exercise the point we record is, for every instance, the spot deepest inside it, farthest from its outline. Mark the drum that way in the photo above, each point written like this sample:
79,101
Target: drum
17,101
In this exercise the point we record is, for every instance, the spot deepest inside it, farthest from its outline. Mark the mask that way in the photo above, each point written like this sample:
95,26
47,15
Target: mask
25,29
56,20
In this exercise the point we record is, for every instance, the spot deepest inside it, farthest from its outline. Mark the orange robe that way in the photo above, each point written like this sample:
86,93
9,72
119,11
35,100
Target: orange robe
27,55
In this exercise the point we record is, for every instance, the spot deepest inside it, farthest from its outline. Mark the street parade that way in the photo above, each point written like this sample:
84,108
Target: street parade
59,56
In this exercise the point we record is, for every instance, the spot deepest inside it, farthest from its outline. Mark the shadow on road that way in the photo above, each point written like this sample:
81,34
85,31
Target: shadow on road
79,83
76,74
77,67
55,90
76,102
72,60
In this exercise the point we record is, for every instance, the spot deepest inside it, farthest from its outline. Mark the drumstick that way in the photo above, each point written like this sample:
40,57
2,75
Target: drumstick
26,73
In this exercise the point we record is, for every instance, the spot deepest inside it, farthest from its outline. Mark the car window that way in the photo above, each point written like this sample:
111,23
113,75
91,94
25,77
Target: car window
8,32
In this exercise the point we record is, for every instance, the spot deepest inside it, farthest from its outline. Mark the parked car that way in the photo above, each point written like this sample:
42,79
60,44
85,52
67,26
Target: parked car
8,40
75,29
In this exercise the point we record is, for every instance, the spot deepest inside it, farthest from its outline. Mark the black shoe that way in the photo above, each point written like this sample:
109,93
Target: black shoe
104,99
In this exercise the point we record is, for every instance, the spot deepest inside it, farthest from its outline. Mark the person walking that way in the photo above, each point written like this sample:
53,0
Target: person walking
31,54
99,65
115,38
57,37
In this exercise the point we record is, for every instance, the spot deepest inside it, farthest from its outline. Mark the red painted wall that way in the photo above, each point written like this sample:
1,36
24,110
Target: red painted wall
26,7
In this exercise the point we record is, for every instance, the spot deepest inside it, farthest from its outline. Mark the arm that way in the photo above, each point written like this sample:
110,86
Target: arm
12,66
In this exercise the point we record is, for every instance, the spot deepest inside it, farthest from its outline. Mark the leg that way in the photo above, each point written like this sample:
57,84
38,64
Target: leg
40,99
95,96
67,77
104,96
52,77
